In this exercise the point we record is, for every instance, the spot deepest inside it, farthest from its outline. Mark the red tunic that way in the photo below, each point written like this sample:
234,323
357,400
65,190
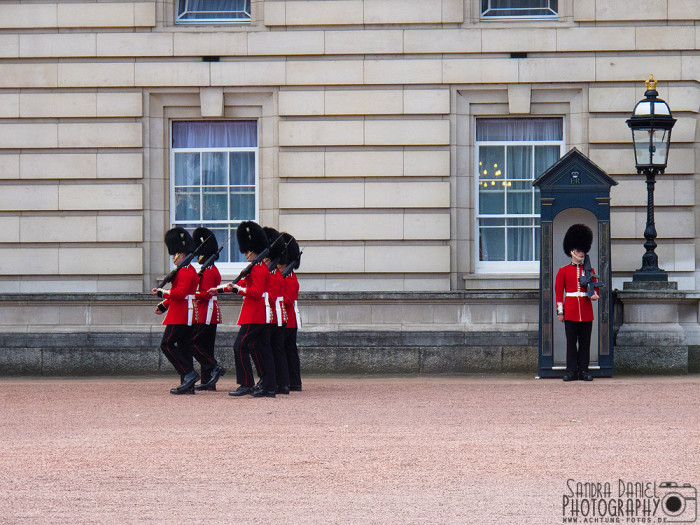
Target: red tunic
569,294
291,294
254,285
179,299
275,298
208,305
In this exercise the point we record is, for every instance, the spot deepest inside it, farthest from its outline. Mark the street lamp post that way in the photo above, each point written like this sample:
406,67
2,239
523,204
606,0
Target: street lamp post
651,123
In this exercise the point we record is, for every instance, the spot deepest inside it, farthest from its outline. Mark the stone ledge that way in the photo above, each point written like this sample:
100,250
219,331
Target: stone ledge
460,295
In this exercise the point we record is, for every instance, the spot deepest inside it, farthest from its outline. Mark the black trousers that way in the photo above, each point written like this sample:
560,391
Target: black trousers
292,352
280,355
176,345
578,345
203,344
253,341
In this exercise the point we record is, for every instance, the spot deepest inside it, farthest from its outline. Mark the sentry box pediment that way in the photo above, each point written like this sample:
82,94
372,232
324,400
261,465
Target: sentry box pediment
574,172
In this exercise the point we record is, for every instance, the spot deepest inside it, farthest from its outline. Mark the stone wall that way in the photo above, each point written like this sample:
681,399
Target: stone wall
342,333
409,333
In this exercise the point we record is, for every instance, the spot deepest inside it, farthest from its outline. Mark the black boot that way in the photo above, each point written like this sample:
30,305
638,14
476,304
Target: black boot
216,374
241,391
187,385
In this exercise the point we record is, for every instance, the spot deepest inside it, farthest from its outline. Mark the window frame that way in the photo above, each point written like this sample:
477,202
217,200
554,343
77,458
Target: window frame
507,267
556,12
225,267
239,20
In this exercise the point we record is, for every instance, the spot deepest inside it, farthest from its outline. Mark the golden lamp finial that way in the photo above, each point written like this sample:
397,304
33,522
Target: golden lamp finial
651,83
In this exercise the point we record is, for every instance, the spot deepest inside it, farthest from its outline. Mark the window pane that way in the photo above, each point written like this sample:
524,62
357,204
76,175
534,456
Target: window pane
221,235
519,162
545,156
214,169
242,169
186,204
243,206
519,238
187,169
491,162
234,253
214,202
492,244
519,197
491,198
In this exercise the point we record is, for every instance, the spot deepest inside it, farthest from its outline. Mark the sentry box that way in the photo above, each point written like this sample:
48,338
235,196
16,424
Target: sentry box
574,190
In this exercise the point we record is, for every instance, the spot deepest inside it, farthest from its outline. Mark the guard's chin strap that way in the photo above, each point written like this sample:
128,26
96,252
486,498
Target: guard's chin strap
577,260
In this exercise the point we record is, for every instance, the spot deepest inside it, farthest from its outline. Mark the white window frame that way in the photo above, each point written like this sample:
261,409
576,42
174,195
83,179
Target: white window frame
243,16
507,267
228,267
484,16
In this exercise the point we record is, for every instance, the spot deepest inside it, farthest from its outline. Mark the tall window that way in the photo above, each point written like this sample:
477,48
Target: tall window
214,181
213,11
510,154
518,8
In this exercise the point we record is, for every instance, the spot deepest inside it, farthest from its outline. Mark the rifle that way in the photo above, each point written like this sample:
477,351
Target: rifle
262,255
184,262
210,260
587,281
292,265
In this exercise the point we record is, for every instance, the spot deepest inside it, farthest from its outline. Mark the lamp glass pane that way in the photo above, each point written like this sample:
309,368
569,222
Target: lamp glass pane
642,109
660,139
660,108
642,144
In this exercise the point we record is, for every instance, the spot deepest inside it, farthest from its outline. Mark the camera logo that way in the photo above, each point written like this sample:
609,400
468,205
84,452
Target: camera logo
679,503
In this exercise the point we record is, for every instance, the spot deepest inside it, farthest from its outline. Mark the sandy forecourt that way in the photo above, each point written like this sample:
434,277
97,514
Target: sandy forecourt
496,449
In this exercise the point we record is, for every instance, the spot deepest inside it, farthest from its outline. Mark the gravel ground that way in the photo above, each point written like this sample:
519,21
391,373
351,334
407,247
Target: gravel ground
483,450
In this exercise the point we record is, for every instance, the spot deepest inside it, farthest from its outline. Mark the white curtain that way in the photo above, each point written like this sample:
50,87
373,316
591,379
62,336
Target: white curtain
213,134
212,8
517,129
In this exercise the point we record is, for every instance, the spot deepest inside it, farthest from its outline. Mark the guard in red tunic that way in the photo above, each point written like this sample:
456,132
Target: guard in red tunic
290,262
279,313
574,307
179,303
208,311
254,335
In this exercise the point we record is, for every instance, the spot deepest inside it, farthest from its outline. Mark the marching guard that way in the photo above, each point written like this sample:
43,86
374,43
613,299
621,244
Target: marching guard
253,338
279,313
178,302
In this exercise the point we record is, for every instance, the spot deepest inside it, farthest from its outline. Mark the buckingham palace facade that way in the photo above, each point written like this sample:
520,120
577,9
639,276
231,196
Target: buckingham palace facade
397,140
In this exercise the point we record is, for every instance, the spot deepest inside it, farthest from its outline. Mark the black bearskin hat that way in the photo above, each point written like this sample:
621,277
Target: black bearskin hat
578,237
251,237
206,237
178,240
277,250
292,253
